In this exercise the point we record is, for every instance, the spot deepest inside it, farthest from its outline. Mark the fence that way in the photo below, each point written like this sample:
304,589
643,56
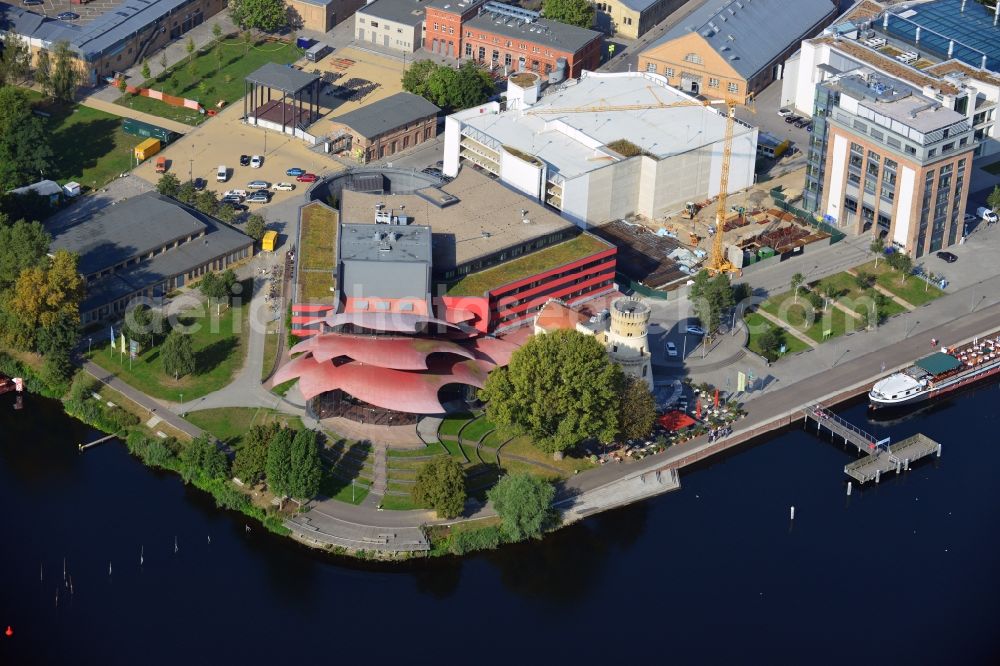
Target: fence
779,200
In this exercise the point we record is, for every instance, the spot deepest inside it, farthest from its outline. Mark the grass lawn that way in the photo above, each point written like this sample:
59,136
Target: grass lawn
522,446
551,257
209,82
849,294
108,394
219,348
432,449
90,146
784,307
340,489
451,425
758,325
914,290
398,503
229,424
475,430
319,237
492,440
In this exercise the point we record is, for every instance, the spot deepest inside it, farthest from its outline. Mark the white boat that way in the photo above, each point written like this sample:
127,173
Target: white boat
941,372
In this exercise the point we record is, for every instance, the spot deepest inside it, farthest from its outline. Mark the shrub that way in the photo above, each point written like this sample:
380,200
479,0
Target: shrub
467,541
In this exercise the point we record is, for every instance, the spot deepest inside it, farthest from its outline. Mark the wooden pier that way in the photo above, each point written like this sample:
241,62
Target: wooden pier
84,447
880,457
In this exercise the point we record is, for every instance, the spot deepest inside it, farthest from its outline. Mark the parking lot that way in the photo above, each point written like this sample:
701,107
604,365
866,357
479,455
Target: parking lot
87,12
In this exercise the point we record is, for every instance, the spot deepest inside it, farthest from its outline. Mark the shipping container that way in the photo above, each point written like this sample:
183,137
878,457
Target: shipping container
318,51
270,241
145,130
147,149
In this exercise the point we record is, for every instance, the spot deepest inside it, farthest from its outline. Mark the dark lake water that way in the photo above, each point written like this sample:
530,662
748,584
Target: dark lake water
905,572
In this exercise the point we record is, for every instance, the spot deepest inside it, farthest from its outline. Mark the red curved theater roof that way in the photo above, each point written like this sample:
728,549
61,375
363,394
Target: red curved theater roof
398,390
388,321
400,353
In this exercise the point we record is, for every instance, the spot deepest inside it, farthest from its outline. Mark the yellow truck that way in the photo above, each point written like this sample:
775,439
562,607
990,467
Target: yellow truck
270,241
147,149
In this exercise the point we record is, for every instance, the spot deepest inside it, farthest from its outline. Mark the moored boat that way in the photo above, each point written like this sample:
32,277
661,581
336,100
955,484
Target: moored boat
942,372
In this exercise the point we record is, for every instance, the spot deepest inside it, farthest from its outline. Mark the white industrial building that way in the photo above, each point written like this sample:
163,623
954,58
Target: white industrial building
602,147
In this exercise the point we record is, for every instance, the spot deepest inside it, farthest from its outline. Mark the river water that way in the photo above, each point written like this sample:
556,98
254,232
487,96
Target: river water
905,572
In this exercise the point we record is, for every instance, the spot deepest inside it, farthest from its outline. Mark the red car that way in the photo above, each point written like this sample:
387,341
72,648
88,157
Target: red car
307,178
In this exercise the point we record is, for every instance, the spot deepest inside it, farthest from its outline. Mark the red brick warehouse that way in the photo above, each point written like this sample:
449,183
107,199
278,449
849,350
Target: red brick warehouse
506,36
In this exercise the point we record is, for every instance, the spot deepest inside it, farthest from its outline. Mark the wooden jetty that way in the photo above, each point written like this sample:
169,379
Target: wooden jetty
880,457
84,447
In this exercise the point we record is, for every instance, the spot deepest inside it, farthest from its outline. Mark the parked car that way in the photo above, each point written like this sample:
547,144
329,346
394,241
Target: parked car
244,160
256,162
809,126
231,199
784,112
284,187
432,171
222,173
947,256
307,178
199,184
235,205
295,171
258,185
802,122
31,3
260,196
671,349
694,329
986,214
791,119
239,194
66,16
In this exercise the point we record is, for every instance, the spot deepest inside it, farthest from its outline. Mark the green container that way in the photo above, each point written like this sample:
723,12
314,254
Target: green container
765,253
146,131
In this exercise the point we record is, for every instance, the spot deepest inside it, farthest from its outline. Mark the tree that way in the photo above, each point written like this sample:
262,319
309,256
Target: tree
638,409
22,245
57,368
575,12
307,467
523,502
770,342
797,281
60,336
186,192
864,280
216,30
143,324
43,72
255,227
877,247
441,86
122,85
206,201
65,76
416,75
711,297
203,458
559,389
189,46
993,199
278,463
178,355
440,486
15,60
903,264
262,15
24,145
145,71
251,456
473,86
168,185
163,61
44,295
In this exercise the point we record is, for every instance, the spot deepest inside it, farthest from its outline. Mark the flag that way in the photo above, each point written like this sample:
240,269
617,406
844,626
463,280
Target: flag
123,342
741,382
133,349
112,337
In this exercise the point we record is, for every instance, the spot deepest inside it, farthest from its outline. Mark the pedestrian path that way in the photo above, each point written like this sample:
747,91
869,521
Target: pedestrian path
125,112
791,329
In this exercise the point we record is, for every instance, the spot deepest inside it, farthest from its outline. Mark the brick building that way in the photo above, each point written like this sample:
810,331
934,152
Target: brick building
322,15
386,127
504,36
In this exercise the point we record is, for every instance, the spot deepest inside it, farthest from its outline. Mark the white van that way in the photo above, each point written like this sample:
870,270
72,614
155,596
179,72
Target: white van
222,175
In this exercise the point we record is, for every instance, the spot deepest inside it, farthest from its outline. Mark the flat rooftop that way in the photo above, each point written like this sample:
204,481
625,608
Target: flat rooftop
486,217
384,242
572,143
126,230
900,103
408,12
553,34
964,28
554,256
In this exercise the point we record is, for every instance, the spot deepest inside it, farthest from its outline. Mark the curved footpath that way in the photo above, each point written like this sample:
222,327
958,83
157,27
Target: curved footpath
832,372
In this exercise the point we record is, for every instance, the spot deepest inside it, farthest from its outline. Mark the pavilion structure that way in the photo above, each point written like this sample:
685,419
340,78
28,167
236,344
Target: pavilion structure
297,107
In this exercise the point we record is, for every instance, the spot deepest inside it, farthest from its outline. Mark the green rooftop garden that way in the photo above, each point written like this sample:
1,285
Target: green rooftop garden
477,284
317,253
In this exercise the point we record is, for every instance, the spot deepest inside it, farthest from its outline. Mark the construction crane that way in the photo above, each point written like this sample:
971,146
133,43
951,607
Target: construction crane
717,261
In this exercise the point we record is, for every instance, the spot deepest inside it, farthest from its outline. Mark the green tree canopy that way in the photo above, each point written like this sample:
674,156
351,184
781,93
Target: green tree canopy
43,296
440,486
65,76
278,462
307,468
178,355
15,60
559,389
575,12
770,342
251,456
203,458
993,198
255,227
22,245
168,185
263,15
523,502
447,87
638,409
416,75
711,297
25,154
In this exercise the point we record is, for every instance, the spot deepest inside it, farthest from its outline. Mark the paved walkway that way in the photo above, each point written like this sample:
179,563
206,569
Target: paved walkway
788,328
125,112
